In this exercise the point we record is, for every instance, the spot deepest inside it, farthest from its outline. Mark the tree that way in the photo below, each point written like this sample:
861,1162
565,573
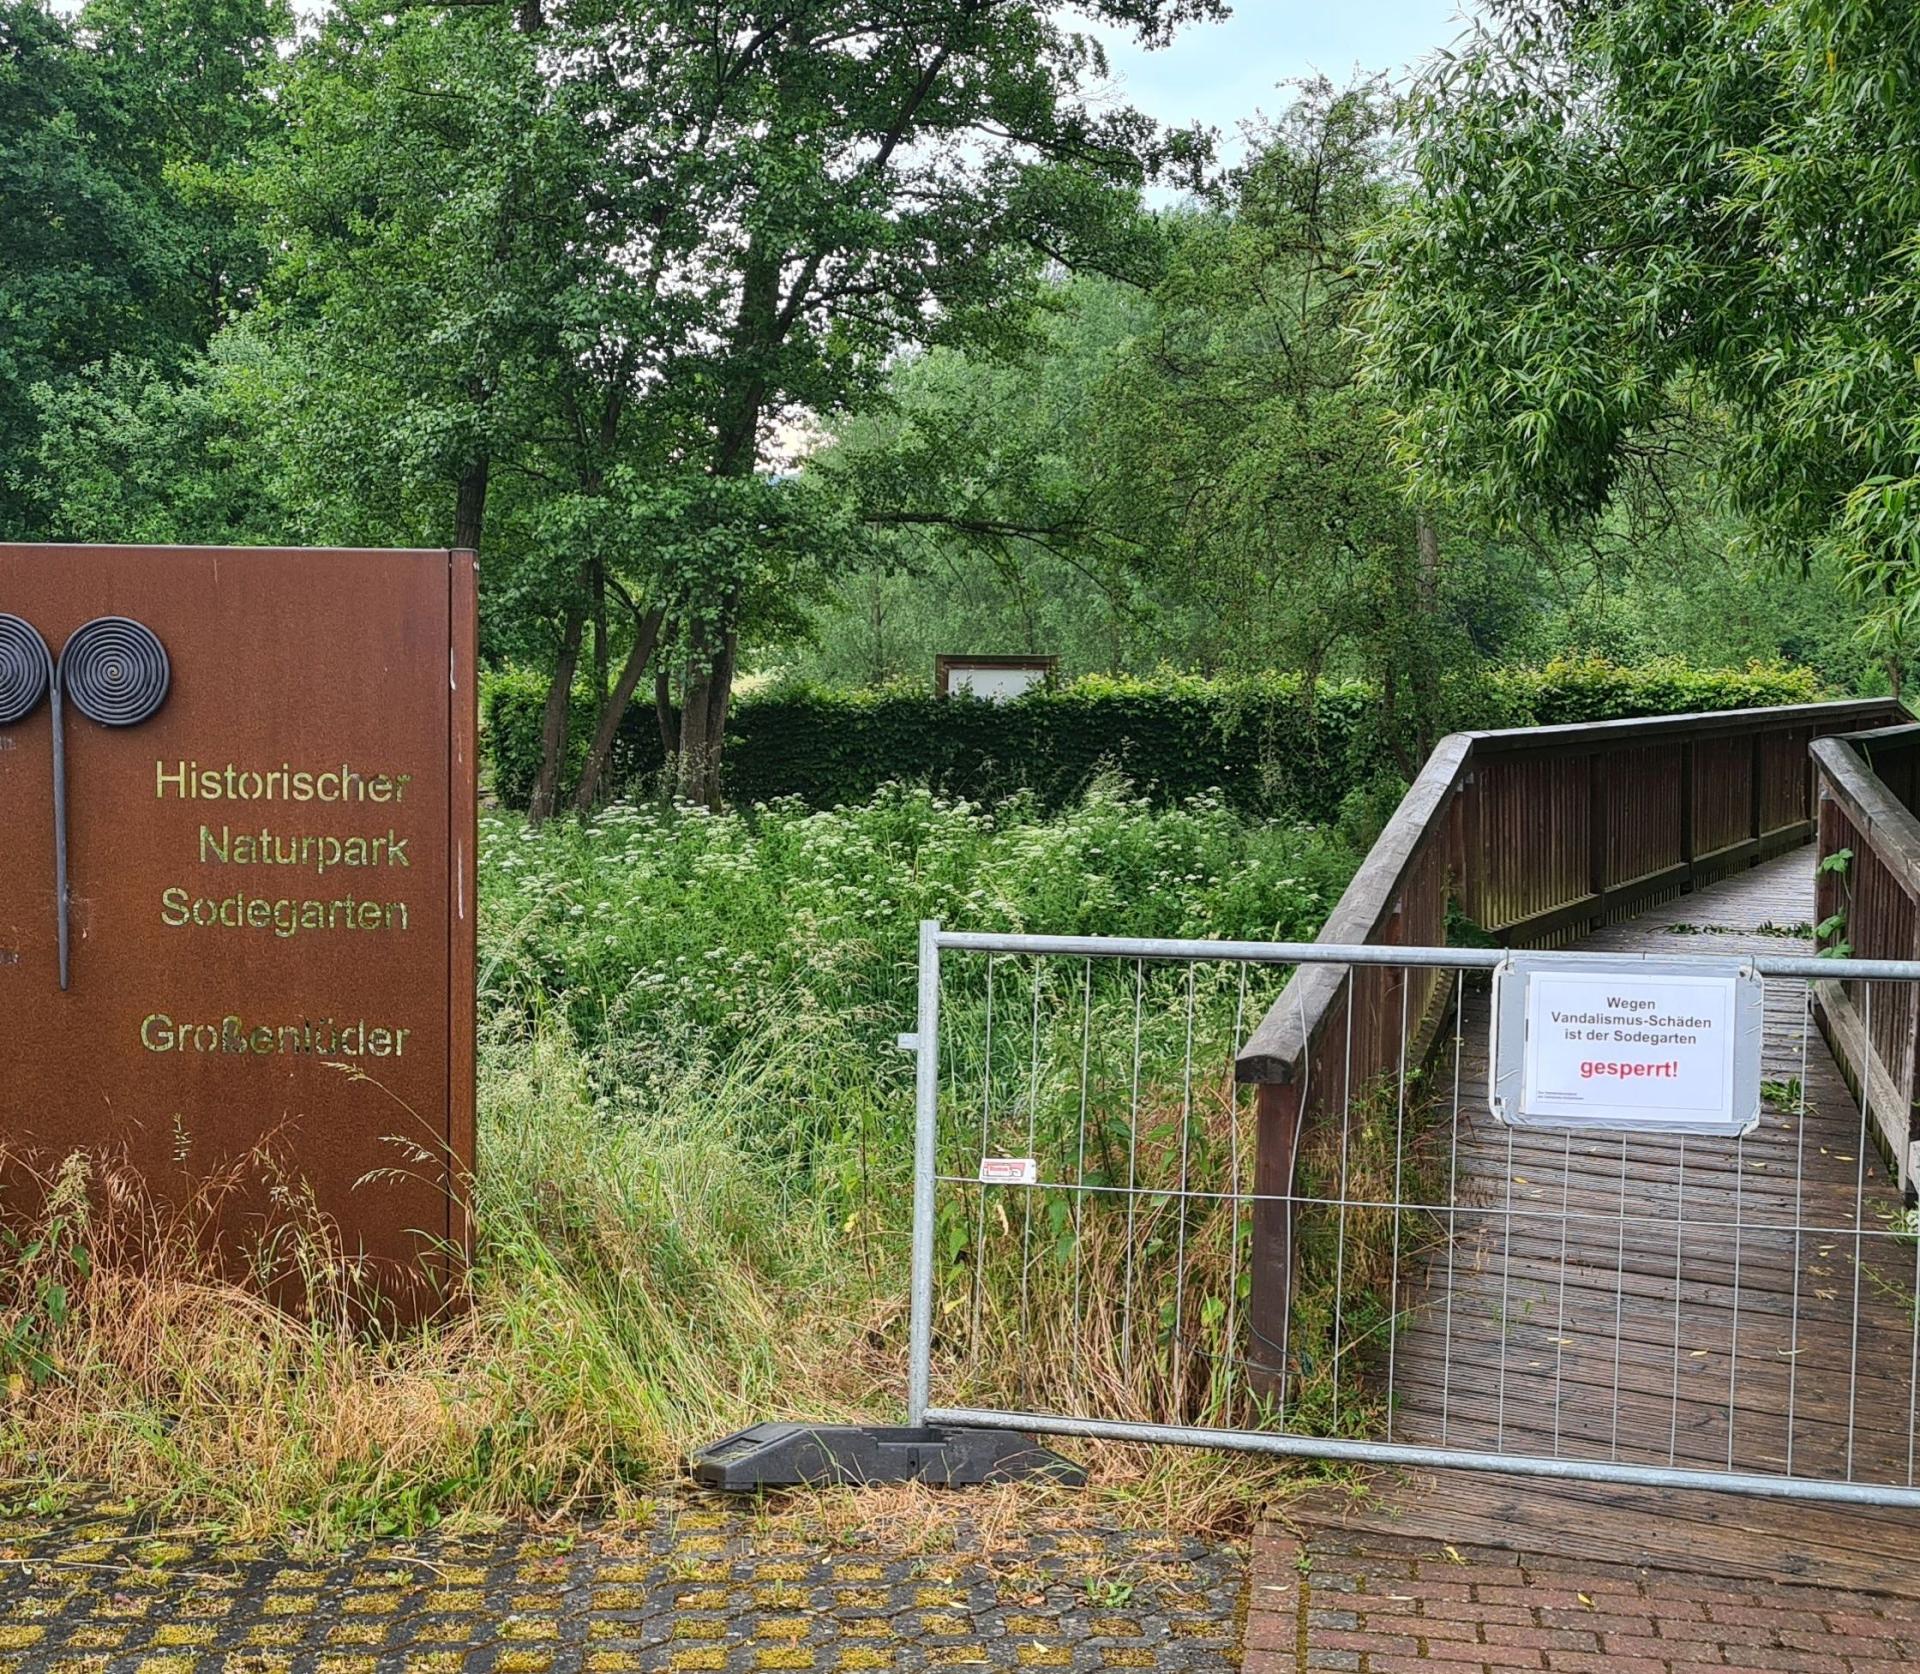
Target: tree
990,520
1241,412
602,249
115,128
126,453
1213,465
1643,221
451,301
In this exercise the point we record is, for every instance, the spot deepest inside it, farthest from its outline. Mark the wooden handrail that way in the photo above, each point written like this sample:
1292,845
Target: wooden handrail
1901,732
1275,1051
1848,714
1874,895
1539,833
1888,827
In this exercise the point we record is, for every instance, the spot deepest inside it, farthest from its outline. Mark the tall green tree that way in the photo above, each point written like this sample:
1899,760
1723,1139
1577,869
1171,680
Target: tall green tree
1243,415
450,311
1625,219
117,129
127,452
605,250
1213,465
991,520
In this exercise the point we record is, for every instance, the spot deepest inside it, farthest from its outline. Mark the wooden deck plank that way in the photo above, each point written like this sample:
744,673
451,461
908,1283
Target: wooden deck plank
1540,1316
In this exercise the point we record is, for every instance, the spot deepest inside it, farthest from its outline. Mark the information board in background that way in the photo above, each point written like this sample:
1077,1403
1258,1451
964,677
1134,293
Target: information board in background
1646,1046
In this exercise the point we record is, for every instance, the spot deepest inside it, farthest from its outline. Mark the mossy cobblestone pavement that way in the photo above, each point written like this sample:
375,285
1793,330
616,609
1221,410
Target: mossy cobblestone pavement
700,1585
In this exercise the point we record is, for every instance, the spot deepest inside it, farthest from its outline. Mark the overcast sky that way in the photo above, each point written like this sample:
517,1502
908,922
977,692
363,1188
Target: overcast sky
1221,73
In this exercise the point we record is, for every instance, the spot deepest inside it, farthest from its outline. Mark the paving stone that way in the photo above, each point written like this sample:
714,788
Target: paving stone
1316,1602
700,1587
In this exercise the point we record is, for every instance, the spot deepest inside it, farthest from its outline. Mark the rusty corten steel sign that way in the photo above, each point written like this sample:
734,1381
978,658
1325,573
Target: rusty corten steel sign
237,825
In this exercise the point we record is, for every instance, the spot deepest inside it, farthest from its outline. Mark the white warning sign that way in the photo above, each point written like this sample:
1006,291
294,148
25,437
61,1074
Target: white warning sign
1637,1045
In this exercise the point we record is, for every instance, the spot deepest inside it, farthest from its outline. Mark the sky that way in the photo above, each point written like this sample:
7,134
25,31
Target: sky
1221,73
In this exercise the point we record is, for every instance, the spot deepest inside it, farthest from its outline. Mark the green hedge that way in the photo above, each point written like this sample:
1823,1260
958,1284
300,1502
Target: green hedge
1257,741
1593,689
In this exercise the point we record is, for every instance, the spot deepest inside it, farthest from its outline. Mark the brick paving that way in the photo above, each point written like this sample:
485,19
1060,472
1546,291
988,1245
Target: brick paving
702,1587
1375,1604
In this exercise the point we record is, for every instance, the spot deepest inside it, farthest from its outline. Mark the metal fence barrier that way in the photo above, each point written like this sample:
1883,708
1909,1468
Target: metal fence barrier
1739,1314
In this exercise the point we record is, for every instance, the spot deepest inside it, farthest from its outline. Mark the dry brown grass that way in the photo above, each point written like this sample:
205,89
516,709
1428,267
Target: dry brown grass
142,1370
626,1304
633,1297
637,1293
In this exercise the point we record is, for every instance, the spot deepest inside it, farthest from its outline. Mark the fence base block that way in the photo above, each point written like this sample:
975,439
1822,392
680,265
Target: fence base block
815,1455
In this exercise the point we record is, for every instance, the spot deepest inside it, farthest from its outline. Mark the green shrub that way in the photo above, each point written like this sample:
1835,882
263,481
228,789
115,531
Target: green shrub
512,707
1573,689
1259,742
668,937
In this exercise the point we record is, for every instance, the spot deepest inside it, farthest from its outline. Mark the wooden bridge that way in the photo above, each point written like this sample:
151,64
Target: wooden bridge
1741,1306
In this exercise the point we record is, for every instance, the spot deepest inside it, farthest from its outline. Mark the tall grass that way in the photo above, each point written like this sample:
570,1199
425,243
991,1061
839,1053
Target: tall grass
1121,1288
692,1177
636,1290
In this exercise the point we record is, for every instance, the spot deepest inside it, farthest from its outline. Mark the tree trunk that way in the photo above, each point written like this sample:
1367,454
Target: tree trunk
646,634
1428,538
719,701
1403,758
602,655
554,725
690,765
759,325
1426,699
709,697
470,505
703,716
663,710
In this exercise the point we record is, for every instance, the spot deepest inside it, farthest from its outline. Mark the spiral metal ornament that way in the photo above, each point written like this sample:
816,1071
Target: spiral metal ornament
26,670
115,672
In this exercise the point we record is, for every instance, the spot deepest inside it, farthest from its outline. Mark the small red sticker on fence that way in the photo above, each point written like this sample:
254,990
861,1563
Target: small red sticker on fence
1008,1171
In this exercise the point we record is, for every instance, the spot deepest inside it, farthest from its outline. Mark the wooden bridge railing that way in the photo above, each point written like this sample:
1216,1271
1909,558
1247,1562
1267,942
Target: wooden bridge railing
1868,783
1539,834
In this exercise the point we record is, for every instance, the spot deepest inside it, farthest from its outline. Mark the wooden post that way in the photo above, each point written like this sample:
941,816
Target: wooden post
1597,857
1277,1113
1686,811
1908,1072
1756,817
1457,884
1480,874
